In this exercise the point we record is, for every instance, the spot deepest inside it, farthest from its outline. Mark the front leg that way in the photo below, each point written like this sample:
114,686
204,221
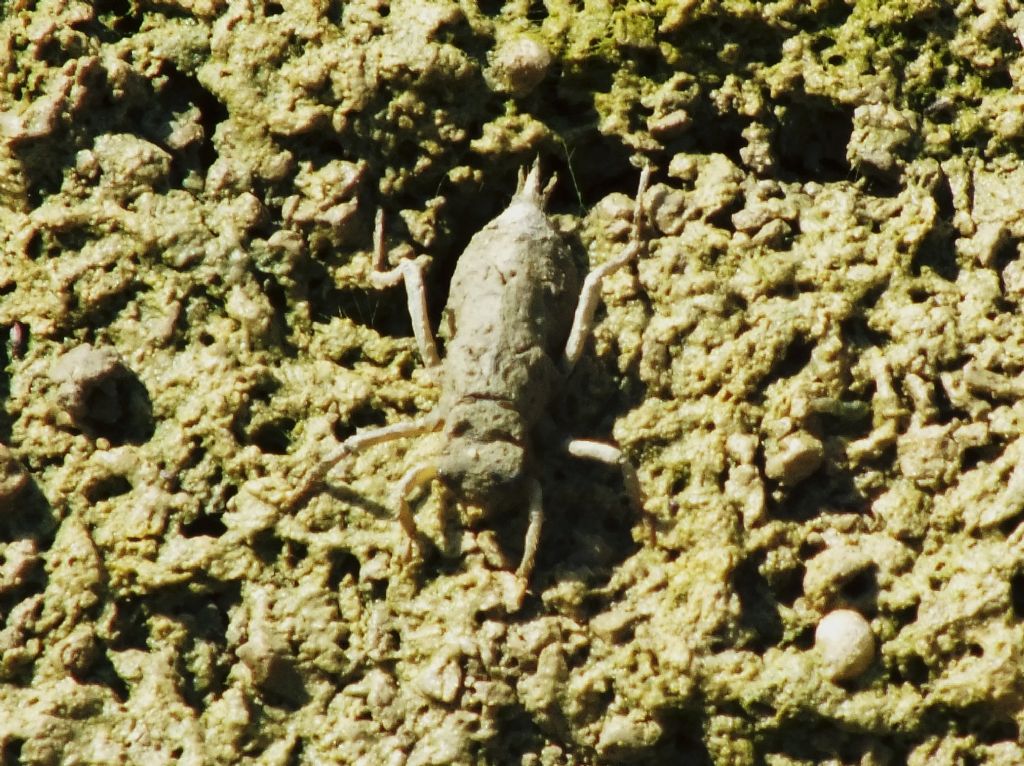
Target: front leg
590,294
411,272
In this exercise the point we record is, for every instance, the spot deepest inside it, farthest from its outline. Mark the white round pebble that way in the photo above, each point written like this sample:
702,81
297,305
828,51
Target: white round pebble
845,644
518,66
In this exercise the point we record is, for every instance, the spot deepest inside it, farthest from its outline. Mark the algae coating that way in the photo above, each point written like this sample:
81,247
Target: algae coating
817,365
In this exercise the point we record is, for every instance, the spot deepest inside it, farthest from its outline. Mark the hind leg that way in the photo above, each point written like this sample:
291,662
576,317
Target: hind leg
357,443
414,478
536,510
609,454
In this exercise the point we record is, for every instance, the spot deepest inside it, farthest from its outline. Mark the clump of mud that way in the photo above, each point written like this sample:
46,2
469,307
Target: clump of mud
817,365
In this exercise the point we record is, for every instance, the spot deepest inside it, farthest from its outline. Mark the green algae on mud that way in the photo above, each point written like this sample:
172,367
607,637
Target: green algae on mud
815,364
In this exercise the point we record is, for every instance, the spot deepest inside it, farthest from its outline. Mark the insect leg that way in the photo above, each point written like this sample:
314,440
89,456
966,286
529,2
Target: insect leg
411,272
360,441
415,477
363,439
609,454
532,536
590,294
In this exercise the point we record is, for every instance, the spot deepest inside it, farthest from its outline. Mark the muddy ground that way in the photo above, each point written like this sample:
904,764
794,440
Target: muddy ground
816,364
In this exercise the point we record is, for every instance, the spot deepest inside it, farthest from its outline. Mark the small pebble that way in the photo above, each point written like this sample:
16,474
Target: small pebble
87,384
79,651
845,643
441,680
18,338
627,736
271,664
518,66
797,457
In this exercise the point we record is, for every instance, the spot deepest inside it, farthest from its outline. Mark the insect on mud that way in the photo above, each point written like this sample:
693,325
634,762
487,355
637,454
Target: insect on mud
515,330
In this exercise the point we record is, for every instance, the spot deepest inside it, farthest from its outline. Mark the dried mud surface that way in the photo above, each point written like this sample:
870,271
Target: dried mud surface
817,366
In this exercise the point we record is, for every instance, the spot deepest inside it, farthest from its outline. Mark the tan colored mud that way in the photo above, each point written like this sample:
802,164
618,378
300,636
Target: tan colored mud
816,365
